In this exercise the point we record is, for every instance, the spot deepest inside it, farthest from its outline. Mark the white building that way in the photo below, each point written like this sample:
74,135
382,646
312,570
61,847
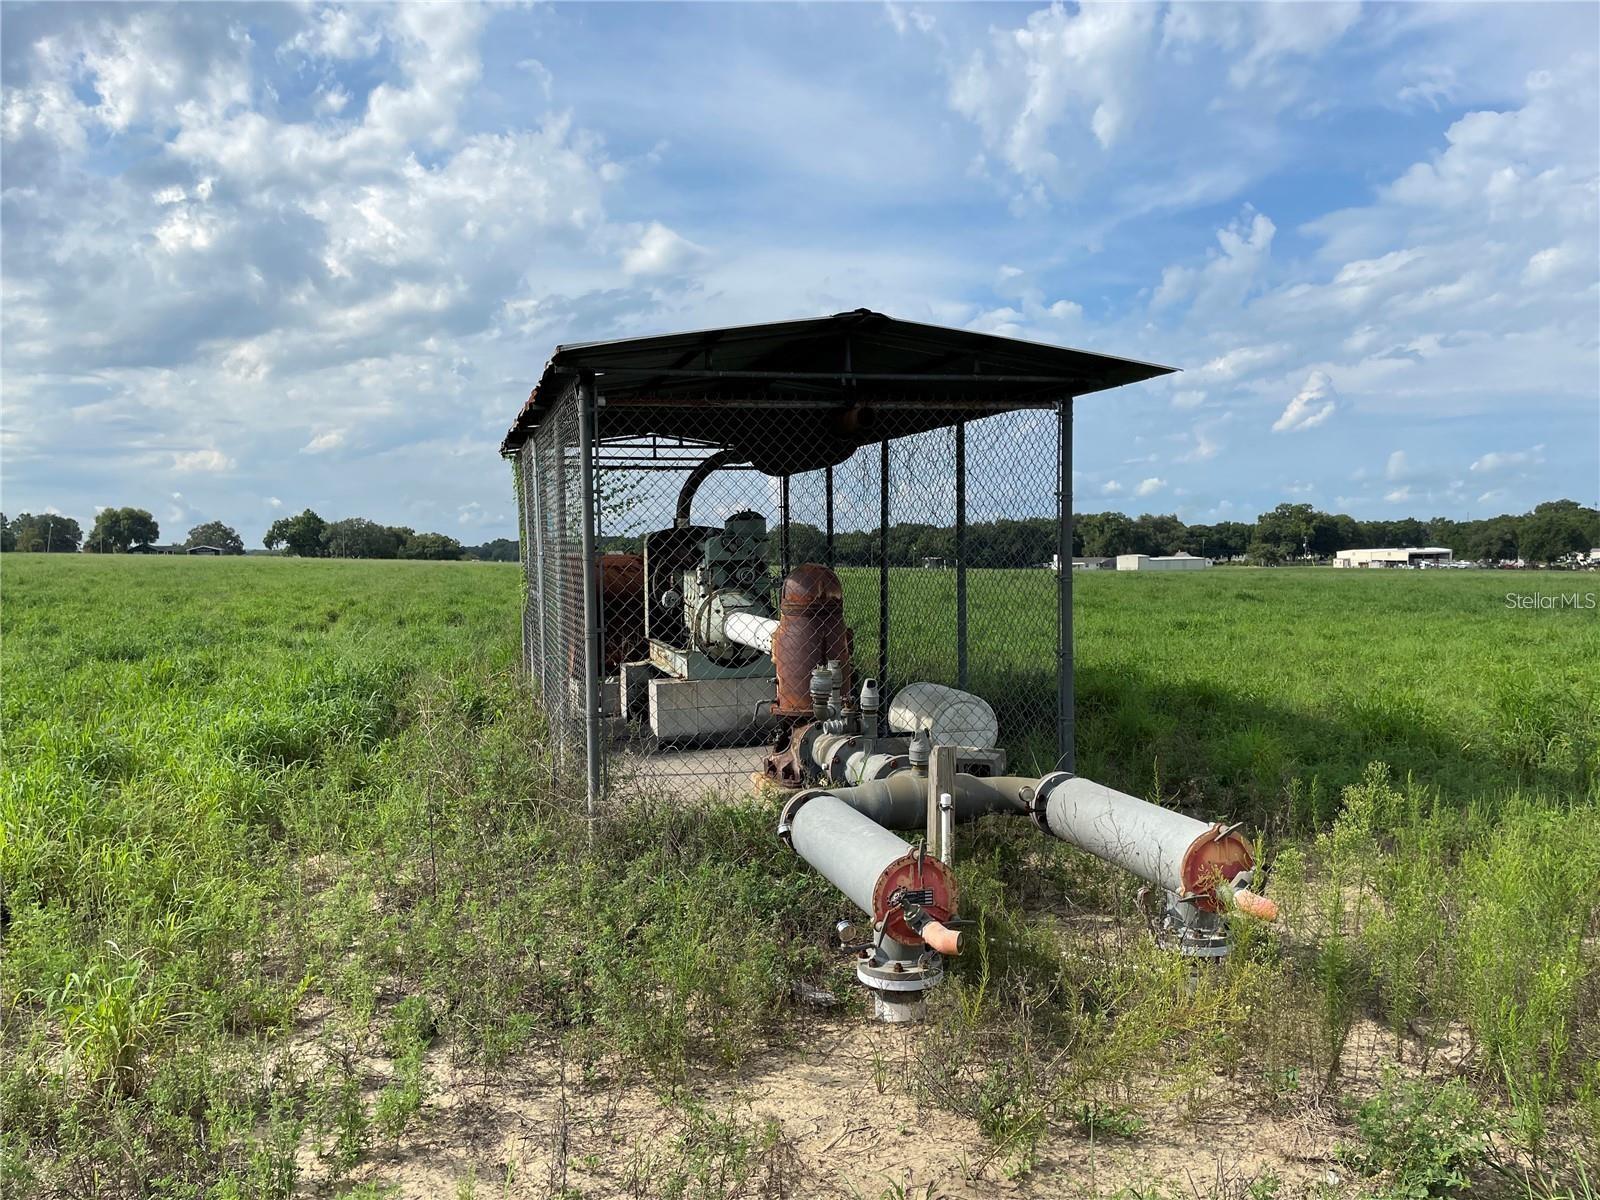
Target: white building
1152,562
1401,556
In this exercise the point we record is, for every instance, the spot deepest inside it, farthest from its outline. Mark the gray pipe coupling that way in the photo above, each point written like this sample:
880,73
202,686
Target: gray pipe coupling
1040,802
786,817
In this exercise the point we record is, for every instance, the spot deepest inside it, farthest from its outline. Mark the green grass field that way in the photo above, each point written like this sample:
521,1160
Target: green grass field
1235,685
237,791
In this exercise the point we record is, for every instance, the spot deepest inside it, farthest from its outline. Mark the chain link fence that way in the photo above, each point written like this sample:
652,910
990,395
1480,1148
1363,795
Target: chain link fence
712,601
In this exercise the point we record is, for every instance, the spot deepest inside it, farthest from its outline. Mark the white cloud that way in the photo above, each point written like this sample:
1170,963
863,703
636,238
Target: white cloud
904,18
541,74
1061,97
1206,443
330,439
229,229
211,460
332,100
1500,460
1149,487
1435,83
1396,467
1243,360
660,251
1230,272
1398,495
1260,36
1311,406
338,33
475,515
274,502
1036,91
1551,263
1110,488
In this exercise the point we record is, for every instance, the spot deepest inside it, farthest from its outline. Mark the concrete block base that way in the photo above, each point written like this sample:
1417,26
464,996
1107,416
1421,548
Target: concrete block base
609,697
689,709
636,689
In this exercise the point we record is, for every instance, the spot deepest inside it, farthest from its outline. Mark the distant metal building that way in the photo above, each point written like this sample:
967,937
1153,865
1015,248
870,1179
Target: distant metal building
1094,564
1401,556
205,550
666,484
1161,562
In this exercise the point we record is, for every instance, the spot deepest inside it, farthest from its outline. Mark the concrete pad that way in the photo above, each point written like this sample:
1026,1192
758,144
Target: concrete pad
695,709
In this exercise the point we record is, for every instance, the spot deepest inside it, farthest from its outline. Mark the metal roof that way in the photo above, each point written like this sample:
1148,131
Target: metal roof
686,383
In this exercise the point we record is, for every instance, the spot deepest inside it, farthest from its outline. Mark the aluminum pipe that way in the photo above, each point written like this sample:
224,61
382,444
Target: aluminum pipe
900,801
869,864
749,629
1186,857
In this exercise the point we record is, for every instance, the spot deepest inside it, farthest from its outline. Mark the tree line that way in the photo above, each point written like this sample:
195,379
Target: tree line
115,531
1289,532
119,530
307,535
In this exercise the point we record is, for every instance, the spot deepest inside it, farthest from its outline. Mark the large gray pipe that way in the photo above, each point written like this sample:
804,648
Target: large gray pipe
847,849
900,801
872,867
1162,847
1137,836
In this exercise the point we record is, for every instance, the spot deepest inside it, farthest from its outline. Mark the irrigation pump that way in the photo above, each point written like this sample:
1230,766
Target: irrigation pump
702,511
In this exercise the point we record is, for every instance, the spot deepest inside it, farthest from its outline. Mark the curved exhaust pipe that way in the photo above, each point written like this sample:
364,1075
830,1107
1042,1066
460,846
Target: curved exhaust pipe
691,485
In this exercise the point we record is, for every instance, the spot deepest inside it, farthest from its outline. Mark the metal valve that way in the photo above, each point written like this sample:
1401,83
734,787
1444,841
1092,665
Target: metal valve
848,933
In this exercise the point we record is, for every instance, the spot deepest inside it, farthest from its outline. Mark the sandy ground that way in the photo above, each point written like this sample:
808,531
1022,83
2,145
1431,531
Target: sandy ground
846,1127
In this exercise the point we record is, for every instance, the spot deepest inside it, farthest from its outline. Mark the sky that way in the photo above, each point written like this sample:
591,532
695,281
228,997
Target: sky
258,258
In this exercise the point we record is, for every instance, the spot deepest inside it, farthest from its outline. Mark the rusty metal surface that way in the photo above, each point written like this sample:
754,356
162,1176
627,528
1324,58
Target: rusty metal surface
811,632
621,579
1213,858
917,871
786,765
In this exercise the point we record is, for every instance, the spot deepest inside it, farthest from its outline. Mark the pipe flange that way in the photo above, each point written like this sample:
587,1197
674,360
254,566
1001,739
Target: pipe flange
837,766
913,976
1038,806
890,764
790,809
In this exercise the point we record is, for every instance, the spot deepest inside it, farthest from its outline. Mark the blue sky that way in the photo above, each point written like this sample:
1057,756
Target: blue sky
262,257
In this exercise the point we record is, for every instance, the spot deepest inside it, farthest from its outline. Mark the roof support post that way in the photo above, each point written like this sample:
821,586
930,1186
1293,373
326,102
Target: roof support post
591,595
961,554
1066,756
536,547
883,566
783,531
830,518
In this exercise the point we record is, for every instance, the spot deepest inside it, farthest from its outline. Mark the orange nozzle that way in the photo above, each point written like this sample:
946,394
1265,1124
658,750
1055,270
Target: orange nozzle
942,938
1255,906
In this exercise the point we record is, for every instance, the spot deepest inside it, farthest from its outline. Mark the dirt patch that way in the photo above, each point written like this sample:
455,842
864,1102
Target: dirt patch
829,1117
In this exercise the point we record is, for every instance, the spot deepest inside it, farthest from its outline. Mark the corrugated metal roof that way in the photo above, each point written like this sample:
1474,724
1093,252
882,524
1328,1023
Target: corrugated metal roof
856,356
